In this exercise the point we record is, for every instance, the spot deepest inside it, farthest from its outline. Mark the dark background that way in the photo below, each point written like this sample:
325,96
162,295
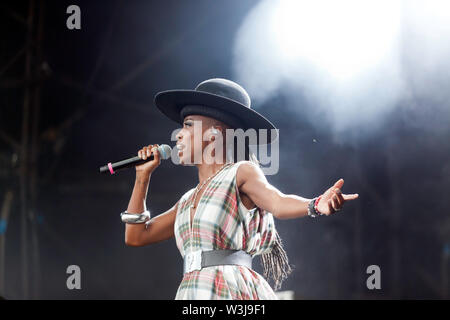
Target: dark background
92,91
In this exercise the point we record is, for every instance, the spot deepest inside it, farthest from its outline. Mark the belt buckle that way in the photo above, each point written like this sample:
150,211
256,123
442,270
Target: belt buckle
193,261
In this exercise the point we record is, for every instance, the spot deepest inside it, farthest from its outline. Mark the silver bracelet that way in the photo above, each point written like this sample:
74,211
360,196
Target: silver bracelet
135,218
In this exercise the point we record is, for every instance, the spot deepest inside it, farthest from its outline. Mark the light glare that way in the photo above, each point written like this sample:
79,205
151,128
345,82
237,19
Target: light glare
343,37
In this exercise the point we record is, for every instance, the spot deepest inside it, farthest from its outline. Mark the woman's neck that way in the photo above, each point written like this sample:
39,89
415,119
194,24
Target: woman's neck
207,170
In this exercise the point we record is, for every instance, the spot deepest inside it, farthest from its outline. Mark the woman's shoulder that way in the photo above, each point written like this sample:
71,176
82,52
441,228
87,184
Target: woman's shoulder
247,167
245,164
245,170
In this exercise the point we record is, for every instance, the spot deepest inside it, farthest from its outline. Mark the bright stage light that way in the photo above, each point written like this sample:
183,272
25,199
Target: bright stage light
343,37
350,62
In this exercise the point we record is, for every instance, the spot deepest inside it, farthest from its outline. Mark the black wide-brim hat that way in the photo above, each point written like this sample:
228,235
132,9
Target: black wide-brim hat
217,98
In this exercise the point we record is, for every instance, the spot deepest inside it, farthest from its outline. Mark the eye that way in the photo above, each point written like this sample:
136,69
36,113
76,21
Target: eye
187,124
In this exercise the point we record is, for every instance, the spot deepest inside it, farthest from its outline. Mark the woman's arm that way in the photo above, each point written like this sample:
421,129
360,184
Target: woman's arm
160,227
252,181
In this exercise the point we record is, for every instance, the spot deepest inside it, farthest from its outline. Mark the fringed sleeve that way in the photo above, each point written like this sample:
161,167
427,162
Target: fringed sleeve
276,264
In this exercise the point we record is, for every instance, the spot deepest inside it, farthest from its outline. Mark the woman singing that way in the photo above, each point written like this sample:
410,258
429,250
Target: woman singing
228,218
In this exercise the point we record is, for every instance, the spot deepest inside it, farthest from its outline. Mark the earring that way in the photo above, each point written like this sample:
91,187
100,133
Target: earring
214,133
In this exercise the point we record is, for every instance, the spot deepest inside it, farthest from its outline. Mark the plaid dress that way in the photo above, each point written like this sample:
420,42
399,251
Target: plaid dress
222,221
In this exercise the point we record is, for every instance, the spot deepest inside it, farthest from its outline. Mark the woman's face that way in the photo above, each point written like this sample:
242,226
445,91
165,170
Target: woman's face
193,138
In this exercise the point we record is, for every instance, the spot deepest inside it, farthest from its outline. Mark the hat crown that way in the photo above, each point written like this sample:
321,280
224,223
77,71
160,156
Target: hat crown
227,89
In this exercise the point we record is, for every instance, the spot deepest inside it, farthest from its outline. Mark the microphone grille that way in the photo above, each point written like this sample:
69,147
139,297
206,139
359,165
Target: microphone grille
165,151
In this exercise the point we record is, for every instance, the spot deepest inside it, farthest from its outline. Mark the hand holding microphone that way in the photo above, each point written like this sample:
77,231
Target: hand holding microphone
151,153
147,160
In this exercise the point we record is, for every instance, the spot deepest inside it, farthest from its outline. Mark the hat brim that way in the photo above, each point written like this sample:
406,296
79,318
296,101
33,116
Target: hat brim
171,102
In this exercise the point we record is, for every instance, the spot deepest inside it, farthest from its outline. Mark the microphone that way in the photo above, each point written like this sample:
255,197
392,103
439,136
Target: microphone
165,152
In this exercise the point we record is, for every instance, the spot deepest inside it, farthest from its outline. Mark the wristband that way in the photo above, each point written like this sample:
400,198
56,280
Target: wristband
312,208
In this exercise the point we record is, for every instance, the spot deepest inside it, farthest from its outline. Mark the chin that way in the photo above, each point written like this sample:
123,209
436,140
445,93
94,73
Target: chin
183,160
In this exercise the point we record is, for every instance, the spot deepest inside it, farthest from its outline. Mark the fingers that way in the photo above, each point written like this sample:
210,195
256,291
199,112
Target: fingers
147,151
144,152
336,199
339,183
330,206
335,203
155,152
140,154
350,196
339,198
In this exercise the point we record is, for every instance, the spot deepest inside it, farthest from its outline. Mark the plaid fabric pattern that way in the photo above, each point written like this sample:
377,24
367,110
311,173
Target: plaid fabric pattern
221,221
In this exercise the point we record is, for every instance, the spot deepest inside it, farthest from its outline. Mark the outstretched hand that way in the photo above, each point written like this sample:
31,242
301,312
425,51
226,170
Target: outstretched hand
333,199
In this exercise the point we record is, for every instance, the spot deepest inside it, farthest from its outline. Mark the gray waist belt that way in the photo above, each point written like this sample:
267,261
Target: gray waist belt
199,259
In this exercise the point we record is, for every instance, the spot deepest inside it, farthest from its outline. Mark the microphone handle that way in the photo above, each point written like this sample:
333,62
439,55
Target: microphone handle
127,163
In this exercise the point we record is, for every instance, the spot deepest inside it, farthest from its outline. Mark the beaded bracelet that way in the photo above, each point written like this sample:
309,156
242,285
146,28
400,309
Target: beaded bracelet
315,205
312,207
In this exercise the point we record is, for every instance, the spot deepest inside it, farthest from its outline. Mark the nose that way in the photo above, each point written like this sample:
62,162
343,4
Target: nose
179,135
